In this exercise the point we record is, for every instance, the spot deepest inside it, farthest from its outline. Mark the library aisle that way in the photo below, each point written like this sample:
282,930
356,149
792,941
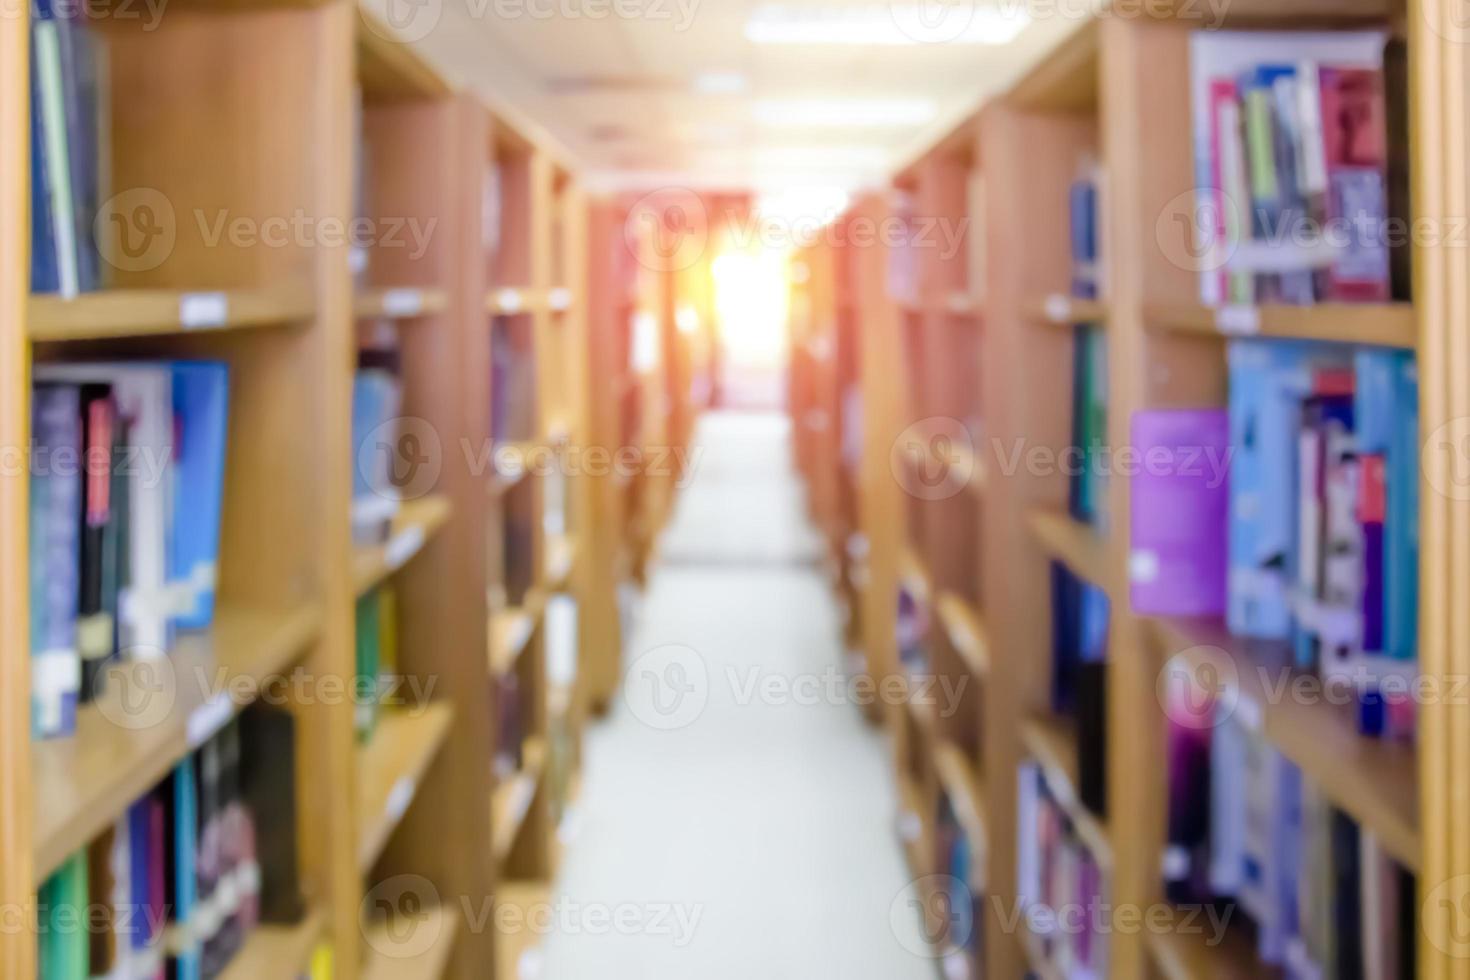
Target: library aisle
734,819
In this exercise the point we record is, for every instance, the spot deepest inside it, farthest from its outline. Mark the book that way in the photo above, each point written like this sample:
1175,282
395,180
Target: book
1179,508
369,666
96,639
200,407
56,670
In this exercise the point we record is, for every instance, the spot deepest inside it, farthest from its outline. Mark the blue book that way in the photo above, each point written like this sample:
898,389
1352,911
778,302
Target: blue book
1387,415
44,272
201,419
50,42
183,842
56,660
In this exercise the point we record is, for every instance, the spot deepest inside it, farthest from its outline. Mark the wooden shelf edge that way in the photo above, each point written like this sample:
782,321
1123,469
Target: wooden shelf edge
512,799
277,950
419,953
966,632
86,782
398,303
416,523
513,301
390,767
1077,545
965,789
1193,956
1061,310
1374,781
1377,324
1051,742
510,633
127,313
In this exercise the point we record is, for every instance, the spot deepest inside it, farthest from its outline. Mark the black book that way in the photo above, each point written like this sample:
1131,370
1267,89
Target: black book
95,626
268,782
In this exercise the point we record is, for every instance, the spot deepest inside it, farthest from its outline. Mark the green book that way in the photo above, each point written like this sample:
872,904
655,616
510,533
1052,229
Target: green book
369,658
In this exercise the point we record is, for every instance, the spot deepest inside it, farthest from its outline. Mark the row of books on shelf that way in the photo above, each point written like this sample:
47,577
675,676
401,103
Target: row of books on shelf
1056,870
126,484
960,861
511,722
1079,689
1291,135
1298,518
176,886
1248,831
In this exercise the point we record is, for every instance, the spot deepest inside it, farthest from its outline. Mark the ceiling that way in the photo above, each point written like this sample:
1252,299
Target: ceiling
673,90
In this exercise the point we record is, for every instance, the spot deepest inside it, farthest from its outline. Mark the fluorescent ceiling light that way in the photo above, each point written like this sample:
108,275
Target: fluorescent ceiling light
796,157
720,83
877,24
842,113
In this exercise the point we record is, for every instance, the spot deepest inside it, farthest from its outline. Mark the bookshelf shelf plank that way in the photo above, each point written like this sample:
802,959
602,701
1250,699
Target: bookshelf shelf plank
416,522
512,301
513,798
1052,741
517,953
966,632
964,786
510,633
1380,324
1061,310
277,951
913,574
1374,781
418,953
127,741
1183,955
398,303
124,313
388,70
389,769
1077,545
561,555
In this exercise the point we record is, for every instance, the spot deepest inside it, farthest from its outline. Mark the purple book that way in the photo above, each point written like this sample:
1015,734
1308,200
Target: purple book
1180,508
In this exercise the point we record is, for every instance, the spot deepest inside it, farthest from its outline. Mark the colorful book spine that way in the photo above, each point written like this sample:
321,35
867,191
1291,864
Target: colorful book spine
1179,513
56,661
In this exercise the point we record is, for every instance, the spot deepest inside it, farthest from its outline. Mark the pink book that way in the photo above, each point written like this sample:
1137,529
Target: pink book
1180,480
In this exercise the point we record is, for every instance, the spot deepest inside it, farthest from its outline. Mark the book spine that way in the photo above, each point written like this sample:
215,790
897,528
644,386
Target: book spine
56,669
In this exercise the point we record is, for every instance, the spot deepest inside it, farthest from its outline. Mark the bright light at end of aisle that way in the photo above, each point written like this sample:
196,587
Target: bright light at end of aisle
751,299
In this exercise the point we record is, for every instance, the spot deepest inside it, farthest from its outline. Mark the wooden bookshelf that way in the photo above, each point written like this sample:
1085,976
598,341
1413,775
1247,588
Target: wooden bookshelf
511,631
1114,93
1376,324
416,522
414,799
399,303
1078,546
1052,742
965,789
122,313
151,717
396,953
518,954
390,767
1372,780
277,951
1181,955
966,632
514,797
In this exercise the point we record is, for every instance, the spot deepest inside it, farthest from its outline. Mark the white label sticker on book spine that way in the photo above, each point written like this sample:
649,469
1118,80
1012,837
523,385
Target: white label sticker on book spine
1237,320
1058,308
560,299
203,311
399,798
209,718
403,302
403,546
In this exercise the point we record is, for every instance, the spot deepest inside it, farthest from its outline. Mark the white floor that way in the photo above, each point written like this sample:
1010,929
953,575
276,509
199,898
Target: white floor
722,833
